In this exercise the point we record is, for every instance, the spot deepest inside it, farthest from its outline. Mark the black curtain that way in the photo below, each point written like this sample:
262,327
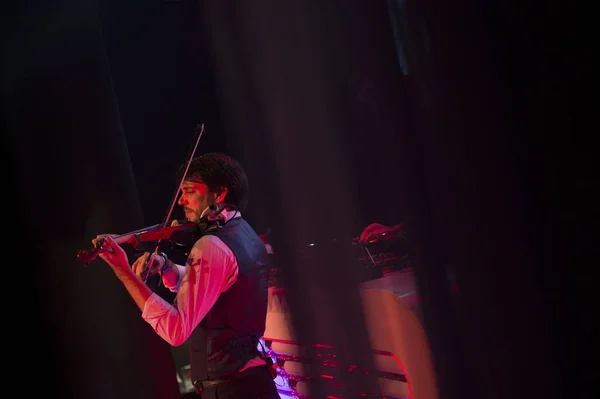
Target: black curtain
437,115
70,178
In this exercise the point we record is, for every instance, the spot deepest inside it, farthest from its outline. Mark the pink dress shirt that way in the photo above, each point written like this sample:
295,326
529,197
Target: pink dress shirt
211,268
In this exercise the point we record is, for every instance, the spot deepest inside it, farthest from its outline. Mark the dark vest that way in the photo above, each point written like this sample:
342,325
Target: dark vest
227,337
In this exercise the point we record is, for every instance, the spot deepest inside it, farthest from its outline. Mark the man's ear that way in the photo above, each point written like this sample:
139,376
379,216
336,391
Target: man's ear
221,195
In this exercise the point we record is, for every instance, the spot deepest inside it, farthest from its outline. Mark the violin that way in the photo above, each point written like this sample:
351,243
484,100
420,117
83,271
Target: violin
182,235
179,234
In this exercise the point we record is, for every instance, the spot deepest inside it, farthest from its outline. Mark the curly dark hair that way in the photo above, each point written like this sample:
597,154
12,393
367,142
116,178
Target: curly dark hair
217,171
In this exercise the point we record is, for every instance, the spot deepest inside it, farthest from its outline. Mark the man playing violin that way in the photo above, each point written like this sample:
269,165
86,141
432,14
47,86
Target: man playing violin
221,300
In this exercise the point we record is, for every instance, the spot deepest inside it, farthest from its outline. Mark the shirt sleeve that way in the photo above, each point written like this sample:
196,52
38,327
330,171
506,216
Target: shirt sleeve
211,268
180,270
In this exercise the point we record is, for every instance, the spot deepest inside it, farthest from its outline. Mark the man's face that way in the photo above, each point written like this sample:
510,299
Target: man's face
195,198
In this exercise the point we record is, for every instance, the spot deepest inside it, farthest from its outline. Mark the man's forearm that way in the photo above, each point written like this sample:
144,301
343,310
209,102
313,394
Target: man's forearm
139,291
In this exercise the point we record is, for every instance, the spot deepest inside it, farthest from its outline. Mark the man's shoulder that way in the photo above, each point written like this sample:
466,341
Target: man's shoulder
211,242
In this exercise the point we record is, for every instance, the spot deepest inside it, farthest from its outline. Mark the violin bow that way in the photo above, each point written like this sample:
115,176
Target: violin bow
199,128
200,131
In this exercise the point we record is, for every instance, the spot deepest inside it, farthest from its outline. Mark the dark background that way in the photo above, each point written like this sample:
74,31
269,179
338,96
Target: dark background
463,120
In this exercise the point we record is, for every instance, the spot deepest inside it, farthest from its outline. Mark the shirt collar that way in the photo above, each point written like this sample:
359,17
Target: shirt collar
227,214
